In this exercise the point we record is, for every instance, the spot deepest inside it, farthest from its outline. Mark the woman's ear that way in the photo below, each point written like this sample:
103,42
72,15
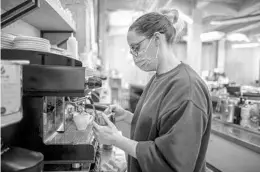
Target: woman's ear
158,38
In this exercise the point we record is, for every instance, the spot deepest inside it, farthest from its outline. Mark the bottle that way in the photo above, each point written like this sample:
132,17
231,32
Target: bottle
231,112
84,57
225,112
237,116
72,46
245,116
76,166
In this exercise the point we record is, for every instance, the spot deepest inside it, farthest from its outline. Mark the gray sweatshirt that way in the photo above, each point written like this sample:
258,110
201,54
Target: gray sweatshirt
172,123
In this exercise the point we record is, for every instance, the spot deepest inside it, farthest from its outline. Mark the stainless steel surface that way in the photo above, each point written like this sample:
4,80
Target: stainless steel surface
242,136
230,156
53,117
73,136
231,113
66,168
76,165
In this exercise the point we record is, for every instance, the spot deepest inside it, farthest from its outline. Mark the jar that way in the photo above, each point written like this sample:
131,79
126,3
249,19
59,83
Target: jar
254,117
245,116
231,113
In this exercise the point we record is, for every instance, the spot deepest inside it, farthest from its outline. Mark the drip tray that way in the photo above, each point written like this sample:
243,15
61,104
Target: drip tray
65,168
85,166
63,154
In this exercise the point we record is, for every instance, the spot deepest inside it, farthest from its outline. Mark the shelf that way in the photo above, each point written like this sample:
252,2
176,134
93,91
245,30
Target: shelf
49,17
39,58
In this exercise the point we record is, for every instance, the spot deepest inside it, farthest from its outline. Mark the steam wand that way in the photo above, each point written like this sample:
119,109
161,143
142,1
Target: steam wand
91,105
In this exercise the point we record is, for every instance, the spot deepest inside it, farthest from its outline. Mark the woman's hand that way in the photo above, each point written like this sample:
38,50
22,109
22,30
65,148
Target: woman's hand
106,134
120,113
109,135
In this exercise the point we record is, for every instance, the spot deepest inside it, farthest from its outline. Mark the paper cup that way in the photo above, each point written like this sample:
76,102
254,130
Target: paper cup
82,120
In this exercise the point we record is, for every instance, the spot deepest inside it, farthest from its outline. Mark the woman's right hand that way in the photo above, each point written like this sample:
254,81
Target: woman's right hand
120,113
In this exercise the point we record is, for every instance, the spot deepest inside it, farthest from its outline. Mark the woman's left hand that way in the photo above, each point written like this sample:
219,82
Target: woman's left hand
106,134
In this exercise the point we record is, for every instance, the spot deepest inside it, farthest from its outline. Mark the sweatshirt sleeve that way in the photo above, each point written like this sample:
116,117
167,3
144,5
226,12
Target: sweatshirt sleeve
177,147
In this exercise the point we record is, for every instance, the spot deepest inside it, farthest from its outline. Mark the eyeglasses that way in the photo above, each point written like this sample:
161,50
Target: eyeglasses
134,50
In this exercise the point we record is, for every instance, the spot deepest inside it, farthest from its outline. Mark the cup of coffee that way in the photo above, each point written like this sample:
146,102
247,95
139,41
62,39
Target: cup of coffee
82,120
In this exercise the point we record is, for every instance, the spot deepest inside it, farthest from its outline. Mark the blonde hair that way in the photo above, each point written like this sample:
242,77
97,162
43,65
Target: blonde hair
177,22
165,21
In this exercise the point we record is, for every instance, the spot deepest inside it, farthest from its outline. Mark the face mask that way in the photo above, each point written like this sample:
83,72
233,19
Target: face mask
146,62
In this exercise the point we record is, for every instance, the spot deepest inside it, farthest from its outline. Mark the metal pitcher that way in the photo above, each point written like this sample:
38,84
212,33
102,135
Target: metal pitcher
231,113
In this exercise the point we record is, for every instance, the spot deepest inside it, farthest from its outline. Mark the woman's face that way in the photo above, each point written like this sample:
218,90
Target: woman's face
144,51
139,43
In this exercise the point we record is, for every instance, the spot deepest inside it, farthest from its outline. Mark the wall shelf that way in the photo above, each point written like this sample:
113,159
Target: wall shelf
48,17
39,58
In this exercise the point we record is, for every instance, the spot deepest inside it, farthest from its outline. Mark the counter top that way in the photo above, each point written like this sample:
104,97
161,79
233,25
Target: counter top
109,158
237,134
233,148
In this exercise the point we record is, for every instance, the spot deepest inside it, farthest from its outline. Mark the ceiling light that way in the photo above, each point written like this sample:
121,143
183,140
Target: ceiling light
211,36
232,21
237,37
246,45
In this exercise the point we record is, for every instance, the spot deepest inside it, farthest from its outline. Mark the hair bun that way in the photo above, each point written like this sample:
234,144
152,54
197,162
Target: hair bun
173,16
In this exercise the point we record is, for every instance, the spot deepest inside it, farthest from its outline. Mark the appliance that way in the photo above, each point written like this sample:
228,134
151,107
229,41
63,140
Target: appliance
14,159
48,83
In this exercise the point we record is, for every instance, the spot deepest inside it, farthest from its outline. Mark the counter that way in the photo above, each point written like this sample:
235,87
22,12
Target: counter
105,156
237,134
233,148
71,136
74,137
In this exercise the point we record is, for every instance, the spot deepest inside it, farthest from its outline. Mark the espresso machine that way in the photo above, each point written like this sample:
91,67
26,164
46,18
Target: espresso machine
52,86
13,158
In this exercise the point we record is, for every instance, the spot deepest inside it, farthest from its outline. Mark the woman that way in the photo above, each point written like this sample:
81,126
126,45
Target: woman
170,127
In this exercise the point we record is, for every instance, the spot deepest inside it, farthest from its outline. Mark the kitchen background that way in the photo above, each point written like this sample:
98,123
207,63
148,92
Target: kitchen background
221,41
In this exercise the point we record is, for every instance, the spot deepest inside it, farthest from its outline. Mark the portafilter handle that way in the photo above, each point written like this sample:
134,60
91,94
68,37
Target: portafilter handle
101,108
97,106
